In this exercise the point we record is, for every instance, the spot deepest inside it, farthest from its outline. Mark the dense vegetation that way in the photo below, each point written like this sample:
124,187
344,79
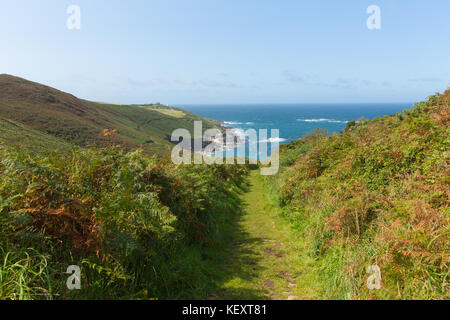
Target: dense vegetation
79,185
132,222
376,194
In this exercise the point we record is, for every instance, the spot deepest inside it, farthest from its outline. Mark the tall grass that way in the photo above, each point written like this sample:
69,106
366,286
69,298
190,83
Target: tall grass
24,275
376,194
136,225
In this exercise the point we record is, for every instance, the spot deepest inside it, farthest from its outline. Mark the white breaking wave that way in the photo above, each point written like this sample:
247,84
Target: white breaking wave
242,137
273,140
231,123
323,120
338,121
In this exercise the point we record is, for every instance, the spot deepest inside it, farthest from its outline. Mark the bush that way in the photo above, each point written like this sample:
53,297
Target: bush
123,215
376,194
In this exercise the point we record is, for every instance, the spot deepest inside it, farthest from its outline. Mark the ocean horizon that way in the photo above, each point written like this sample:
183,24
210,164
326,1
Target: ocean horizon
294,120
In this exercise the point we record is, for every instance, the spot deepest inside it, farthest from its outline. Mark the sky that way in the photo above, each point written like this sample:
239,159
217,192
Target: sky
230,51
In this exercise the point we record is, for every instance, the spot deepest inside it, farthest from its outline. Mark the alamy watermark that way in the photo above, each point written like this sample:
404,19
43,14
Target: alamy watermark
74,20
374,20
74,280
213,147
374,280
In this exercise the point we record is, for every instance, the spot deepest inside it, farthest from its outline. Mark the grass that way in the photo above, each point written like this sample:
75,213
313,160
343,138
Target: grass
142,228
23,276
176,113
375,194
133,223
15,133
263,258
247,252
53,113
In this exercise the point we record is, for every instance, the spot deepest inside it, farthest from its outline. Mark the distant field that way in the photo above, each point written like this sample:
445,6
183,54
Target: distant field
169,112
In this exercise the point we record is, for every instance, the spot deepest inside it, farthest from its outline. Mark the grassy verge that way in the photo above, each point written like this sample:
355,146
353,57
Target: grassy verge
263,258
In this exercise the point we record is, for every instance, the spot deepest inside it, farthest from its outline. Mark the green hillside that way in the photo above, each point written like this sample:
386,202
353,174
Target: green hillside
132,220
16,134
141,227
377,194
80,122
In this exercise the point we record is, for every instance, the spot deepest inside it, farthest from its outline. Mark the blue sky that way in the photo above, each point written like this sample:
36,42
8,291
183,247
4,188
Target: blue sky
230,51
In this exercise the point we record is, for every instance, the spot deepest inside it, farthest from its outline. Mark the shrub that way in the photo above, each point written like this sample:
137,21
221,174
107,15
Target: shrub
376,194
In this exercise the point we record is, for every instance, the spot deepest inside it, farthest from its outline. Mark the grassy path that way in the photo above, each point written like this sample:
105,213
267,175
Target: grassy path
265,260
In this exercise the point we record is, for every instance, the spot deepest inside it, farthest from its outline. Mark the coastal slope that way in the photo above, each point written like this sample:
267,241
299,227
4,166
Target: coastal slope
375,195
56,114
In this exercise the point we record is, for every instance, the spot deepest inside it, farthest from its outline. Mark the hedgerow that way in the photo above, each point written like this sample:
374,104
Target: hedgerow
126,219
376,194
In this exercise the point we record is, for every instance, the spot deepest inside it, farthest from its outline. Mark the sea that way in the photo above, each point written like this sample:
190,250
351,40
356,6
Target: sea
293,120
